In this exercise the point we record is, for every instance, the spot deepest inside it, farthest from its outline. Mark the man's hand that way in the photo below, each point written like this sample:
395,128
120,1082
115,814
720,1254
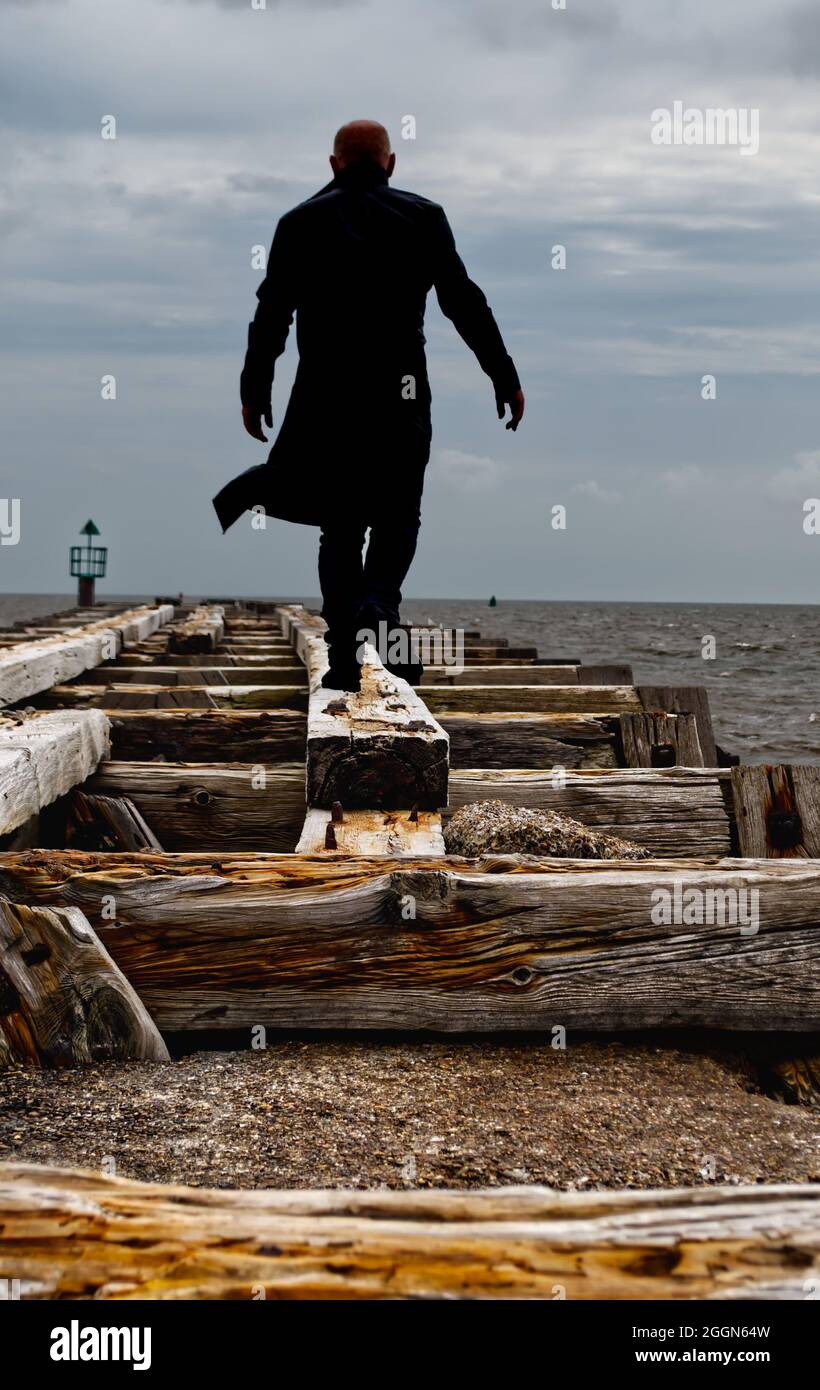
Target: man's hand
252,420
516,404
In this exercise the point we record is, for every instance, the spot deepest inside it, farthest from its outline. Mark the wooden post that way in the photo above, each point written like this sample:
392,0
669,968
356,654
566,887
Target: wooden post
777,811
62,998
660,740
379,748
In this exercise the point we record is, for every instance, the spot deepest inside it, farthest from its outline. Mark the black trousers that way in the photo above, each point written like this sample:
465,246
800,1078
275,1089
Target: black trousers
351,582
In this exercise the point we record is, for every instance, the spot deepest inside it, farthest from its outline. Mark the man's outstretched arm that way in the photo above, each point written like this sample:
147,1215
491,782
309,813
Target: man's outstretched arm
464,303
267,335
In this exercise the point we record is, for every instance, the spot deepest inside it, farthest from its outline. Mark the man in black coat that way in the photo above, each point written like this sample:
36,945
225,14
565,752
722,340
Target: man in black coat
355,263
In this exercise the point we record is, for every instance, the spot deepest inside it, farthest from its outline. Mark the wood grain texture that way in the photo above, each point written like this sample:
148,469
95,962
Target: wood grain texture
74,1234
107,822
660,740
498,944
684,699
62,999
43,757
673,812
777,809
222,805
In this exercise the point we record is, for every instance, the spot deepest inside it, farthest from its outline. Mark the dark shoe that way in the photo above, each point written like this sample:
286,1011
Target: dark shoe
343,677
371,618
411,672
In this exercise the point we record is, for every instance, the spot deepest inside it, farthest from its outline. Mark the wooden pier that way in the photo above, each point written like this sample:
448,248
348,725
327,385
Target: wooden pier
196,835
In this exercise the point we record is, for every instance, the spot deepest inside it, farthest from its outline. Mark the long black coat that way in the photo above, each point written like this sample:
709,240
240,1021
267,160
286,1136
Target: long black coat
354,264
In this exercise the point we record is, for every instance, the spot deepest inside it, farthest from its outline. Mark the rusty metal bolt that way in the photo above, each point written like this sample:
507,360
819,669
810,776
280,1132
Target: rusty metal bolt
330,837
337,814
785,829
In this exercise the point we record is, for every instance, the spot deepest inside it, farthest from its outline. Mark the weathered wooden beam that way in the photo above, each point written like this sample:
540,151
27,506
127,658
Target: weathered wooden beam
677,812
69,1233
43,756
477,675
372,833
660,740
62,998
202,631
107,822
777,809
208,735
148,662
224,806
522,739
597,700
502,944
30,667
197,675
684,699
134,695
378,748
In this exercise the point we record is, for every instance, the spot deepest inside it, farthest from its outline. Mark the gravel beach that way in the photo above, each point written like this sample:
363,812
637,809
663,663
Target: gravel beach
373,1112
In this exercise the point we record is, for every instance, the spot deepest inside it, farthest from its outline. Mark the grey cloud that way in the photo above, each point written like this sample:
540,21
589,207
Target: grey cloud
532,129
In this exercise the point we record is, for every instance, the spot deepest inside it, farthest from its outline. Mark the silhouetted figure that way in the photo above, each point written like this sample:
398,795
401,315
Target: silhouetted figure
355,263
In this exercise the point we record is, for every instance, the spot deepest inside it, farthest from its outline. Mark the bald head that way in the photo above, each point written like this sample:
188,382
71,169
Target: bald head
361,142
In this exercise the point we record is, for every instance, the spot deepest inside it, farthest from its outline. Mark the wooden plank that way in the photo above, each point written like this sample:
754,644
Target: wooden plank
107,822
72,1234
148,662
486,674
597,700
202,631
378,748
134,695
475,675
62,998
393,833
31,667
777,809
521,739
207,735
684,699
502,944
675,812
197,675
660,740
224,806
42,757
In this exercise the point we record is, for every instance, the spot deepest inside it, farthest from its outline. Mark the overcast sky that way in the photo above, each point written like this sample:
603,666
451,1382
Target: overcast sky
132,257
